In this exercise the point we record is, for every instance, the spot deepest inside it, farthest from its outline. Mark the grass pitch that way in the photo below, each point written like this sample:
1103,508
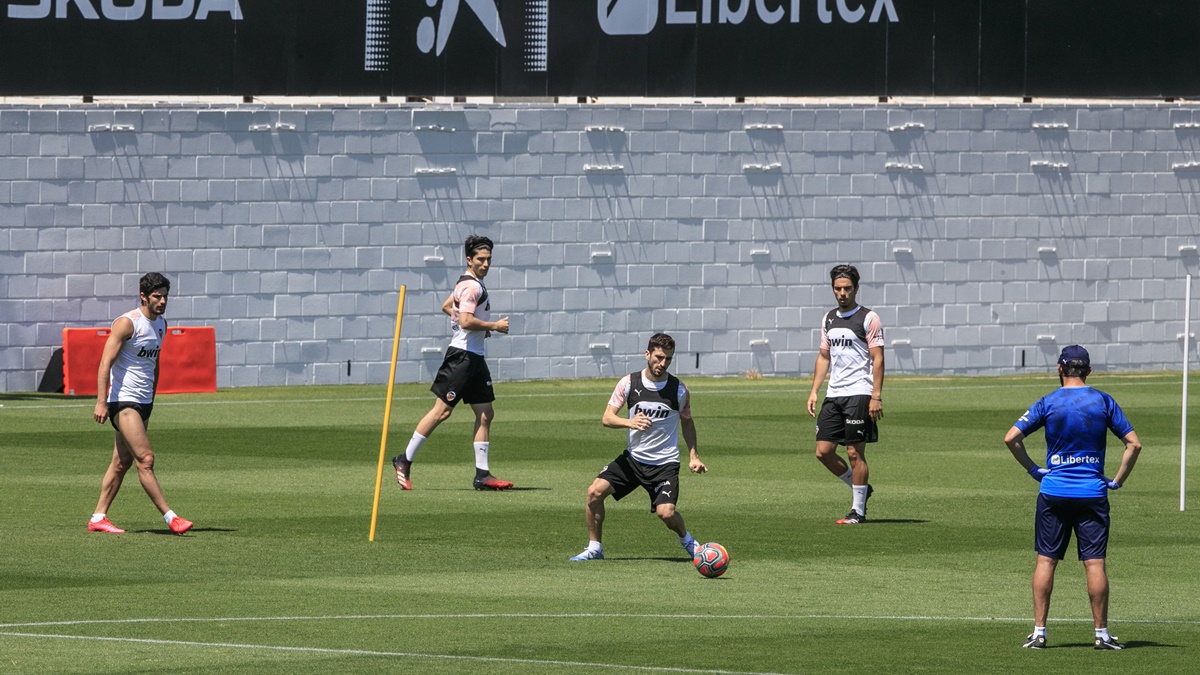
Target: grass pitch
278,575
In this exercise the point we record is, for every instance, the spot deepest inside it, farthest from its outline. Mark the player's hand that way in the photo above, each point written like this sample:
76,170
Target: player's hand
1038,473
875,409
812,405
100,414
501,326
697,466
640,422
1111,484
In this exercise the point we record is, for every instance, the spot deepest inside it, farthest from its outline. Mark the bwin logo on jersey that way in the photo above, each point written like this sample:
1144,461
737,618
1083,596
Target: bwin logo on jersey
841,342
653,413
144,353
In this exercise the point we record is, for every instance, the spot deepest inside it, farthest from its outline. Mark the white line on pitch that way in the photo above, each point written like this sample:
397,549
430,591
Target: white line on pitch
580,615
752,392
366,652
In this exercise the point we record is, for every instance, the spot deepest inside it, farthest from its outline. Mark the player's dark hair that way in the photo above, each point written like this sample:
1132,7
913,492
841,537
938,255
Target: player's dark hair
152,282
844,271
474,243
662,341
1076,369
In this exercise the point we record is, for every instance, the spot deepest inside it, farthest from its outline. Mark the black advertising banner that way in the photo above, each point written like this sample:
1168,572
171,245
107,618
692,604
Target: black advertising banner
1047,48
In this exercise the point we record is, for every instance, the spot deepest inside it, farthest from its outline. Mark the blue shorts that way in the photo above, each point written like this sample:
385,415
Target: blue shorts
1057,517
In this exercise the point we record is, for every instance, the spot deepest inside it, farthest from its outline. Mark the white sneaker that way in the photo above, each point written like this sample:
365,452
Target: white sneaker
589,554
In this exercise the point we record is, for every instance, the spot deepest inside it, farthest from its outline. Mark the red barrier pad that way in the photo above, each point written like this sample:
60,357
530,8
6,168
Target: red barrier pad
187,363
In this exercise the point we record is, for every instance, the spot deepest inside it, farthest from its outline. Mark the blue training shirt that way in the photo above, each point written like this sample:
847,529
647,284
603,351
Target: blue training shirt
1076,419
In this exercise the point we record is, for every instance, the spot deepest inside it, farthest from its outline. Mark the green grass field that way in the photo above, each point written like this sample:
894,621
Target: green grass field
278,575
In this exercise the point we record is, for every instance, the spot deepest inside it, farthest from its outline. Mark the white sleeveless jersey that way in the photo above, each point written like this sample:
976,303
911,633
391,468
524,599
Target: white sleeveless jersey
470,295
659,444
132,373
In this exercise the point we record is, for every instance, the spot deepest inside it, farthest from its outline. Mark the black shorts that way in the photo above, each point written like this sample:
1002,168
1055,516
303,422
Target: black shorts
1057,517
115,407
626,474
846,420
464,376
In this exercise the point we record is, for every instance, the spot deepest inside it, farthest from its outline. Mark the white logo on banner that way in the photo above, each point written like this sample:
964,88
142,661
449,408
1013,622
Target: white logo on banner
129,10
434,34
640,17
431,34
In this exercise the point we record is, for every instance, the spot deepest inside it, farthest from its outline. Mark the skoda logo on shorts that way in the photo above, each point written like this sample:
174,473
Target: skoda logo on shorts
450,396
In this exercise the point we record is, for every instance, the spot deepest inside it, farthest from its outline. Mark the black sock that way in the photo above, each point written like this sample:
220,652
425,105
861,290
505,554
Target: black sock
482,473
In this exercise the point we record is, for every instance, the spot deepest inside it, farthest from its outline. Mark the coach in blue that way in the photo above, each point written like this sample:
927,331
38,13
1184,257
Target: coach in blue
1074,490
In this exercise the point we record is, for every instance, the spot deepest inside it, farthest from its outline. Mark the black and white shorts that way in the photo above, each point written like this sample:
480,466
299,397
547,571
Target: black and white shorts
846,420
464,376
626,474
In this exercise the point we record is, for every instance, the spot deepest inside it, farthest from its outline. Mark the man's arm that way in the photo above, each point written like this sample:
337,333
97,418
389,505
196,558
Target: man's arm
1015,440
122,330
820,370
467,321
875,409
1132,448
447,305
614,420
688,427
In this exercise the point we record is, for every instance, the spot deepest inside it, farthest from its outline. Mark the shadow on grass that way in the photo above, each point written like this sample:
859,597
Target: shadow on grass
644,558
902,521
194,529
1132,644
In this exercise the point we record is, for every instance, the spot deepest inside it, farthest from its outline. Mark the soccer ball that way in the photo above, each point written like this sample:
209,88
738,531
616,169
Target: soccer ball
711,560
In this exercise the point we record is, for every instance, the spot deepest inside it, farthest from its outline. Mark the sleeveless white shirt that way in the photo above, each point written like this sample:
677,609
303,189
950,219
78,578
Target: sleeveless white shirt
132,373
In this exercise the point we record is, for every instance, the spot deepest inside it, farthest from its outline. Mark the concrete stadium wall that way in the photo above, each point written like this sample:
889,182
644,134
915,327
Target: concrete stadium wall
986,234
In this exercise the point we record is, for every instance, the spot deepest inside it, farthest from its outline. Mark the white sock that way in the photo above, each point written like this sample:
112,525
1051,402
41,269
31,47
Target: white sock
846,477
1102,634
169,516
481,455
860,498
595,546
414,444
97,517
1039,631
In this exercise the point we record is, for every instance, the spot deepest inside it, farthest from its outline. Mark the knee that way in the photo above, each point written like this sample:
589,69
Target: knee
665,511
854,455
145,462
595,496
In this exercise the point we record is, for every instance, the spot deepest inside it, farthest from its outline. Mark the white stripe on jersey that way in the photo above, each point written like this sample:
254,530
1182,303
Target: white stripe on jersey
659,444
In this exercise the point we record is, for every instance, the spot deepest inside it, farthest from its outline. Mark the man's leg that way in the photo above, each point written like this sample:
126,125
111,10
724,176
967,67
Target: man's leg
1097,586
132,439
484,480
440,412
857,453
1043,586
122,459
593,512
827,454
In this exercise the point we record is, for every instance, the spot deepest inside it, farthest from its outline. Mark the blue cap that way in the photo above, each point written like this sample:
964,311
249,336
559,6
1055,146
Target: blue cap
1074,353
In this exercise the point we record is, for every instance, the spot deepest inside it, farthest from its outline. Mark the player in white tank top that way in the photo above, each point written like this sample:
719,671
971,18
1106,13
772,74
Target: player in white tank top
130,364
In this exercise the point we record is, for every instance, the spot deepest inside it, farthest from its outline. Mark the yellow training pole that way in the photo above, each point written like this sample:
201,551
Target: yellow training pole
387,413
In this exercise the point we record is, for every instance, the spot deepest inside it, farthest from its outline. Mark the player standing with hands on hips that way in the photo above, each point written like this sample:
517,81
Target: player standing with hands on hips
852,355
1074,492
659,407
464,375
130,363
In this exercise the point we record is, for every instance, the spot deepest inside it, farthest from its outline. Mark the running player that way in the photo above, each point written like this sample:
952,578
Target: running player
130,363
659,405
852,354
1073,495
464,375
